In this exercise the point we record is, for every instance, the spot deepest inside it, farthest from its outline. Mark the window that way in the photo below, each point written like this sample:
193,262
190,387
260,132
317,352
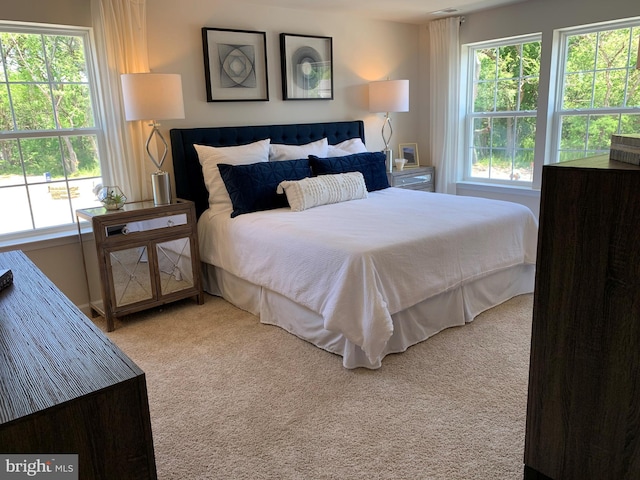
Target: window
501,109
49,135
599,91
593,92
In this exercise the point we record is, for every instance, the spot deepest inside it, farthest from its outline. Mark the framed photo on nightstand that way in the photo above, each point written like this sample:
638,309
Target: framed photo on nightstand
409,151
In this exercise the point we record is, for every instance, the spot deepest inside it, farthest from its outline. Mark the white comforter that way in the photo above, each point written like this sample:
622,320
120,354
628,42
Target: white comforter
358,262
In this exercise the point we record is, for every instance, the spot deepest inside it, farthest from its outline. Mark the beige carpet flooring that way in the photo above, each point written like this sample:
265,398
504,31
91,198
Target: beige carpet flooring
233,399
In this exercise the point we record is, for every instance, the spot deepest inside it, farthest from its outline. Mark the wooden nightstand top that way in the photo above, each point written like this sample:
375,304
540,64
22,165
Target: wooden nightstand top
133,207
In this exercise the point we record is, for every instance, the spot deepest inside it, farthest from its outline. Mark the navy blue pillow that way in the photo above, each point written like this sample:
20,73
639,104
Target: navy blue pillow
252,187
372,165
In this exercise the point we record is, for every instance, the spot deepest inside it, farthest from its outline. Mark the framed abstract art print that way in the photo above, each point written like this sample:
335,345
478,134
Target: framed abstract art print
235,65
307,67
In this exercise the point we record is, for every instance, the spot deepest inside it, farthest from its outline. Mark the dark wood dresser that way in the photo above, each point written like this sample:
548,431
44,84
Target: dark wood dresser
583,413
64,386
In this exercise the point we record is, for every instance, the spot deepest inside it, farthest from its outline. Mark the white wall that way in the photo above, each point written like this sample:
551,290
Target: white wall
543,16
363,50
61,12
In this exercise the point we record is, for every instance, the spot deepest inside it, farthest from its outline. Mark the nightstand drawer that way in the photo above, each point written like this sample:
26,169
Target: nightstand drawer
413,180
420,178
167,221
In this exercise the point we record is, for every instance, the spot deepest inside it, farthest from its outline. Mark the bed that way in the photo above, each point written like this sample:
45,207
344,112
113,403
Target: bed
365,274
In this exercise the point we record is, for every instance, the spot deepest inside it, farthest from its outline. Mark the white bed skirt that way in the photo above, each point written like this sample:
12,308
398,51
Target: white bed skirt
413,325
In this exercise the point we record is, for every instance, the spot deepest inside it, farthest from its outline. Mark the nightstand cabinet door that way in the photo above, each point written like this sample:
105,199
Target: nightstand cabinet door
419,178
175,271
130,276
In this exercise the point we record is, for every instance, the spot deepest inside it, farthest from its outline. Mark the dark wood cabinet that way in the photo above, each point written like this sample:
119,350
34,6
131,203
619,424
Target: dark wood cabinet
583,413
65,388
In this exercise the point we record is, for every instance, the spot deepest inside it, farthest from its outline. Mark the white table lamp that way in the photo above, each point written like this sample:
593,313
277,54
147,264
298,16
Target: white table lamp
388,96
153,97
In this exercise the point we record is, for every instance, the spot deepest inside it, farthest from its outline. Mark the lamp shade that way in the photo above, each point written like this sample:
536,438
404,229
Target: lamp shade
389,96
152,96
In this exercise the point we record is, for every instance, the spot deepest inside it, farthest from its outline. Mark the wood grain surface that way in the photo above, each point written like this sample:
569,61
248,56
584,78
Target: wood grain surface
64,386
583,418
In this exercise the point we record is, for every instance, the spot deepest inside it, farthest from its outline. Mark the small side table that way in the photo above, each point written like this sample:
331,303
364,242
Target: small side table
146,256
415,178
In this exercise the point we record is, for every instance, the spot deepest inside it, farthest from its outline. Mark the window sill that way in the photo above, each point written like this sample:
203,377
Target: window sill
500,189
38,241
524,195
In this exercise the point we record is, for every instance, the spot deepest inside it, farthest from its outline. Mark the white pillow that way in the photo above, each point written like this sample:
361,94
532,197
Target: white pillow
337,152
323,190
210,157
353,145
278,151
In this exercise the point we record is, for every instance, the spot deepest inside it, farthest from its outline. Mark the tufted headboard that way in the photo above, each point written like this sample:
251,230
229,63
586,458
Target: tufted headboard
188,172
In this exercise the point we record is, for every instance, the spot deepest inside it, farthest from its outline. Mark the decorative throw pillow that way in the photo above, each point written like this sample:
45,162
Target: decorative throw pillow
353,145
210,157
279,152
315,191
252,188
370,164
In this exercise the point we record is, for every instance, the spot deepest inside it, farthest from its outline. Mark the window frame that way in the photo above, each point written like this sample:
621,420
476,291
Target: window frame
557,83
468,59
93,81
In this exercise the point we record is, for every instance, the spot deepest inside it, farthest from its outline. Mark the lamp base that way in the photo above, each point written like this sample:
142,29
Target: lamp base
388,159
161,188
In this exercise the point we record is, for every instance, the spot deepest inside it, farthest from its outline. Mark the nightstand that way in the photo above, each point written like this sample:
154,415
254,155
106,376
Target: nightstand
418,178
144,255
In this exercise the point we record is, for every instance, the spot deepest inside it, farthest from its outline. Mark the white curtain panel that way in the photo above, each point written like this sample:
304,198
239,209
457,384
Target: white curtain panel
444,94
121,40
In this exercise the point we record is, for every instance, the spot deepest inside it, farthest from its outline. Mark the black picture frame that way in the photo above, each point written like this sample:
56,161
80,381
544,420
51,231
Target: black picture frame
235,65
307,67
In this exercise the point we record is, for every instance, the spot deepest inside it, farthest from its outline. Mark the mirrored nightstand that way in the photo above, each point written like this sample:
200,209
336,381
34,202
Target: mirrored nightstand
418,178
144,255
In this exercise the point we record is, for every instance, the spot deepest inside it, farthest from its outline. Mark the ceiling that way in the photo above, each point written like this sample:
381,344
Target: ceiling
406,11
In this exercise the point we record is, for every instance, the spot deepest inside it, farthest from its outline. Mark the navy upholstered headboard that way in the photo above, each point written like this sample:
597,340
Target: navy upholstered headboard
188,172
